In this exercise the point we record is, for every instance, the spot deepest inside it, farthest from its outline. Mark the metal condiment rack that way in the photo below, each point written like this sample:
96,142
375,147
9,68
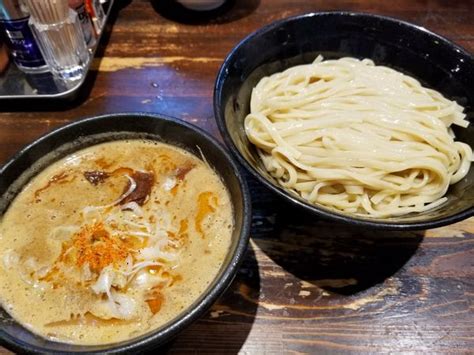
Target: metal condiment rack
16,85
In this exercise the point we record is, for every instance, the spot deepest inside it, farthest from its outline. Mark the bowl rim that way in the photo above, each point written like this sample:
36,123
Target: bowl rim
316,209
158,337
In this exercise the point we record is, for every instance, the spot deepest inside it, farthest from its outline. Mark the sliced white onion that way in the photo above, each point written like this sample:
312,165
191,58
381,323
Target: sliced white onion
123,220
31,264
92,213
89,209
103,309
39,285
126,307
153,253
134,207
10,259
131,188
104,282
142,225
134,234
138,266
43,271
119,306
119,280
141,279
144,280
169,183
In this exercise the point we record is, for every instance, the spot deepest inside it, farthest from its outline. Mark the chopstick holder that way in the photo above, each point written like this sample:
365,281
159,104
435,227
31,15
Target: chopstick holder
59,34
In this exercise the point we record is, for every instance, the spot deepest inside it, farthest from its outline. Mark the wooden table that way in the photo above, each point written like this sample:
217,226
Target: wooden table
305,286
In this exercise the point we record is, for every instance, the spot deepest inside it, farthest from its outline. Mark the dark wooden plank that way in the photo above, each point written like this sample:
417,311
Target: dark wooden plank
306,285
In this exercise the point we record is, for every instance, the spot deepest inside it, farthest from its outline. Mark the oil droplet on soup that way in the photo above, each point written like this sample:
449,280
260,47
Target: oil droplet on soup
133,237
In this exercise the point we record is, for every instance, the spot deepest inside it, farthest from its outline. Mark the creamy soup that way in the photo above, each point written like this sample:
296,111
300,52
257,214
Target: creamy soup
113,241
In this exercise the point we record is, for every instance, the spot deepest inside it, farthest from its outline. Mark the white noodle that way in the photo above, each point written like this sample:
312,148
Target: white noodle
357,137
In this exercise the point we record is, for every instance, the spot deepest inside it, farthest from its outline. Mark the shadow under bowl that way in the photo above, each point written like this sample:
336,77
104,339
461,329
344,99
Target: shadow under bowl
413,50
81,134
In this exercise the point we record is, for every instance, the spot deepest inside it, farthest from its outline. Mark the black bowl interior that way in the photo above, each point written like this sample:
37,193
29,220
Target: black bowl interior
413,50
81,134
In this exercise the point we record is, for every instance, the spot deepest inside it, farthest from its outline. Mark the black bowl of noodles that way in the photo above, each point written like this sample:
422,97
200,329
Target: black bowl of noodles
153,130
341,141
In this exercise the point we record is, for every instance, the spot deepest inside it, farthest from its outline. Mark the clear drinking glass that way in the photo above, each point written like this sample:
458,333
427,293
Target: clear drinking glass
63,46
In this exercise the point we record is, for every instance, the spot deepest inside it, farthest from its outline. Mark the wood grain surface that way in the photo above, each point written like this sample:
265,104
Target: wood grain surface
306,286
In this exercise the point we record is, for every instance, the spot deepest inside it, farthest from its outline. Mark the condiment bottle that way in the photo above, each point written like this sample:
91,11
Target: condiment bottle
4,60
86,22
25,52
97,14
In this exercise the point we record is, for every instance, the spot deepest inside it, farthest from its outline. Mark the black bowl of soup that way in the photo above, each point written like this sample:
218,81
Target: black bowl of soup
351,116
118,231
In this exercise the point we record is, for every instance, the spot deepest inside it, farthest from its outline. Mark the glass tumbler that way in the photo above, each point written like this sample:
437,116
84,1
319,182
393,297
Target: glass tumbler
63,46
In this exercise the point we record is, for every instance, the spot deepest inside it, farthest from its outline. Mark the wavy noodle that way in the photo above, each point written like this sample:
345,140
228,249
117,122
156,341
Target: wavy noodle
357,137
